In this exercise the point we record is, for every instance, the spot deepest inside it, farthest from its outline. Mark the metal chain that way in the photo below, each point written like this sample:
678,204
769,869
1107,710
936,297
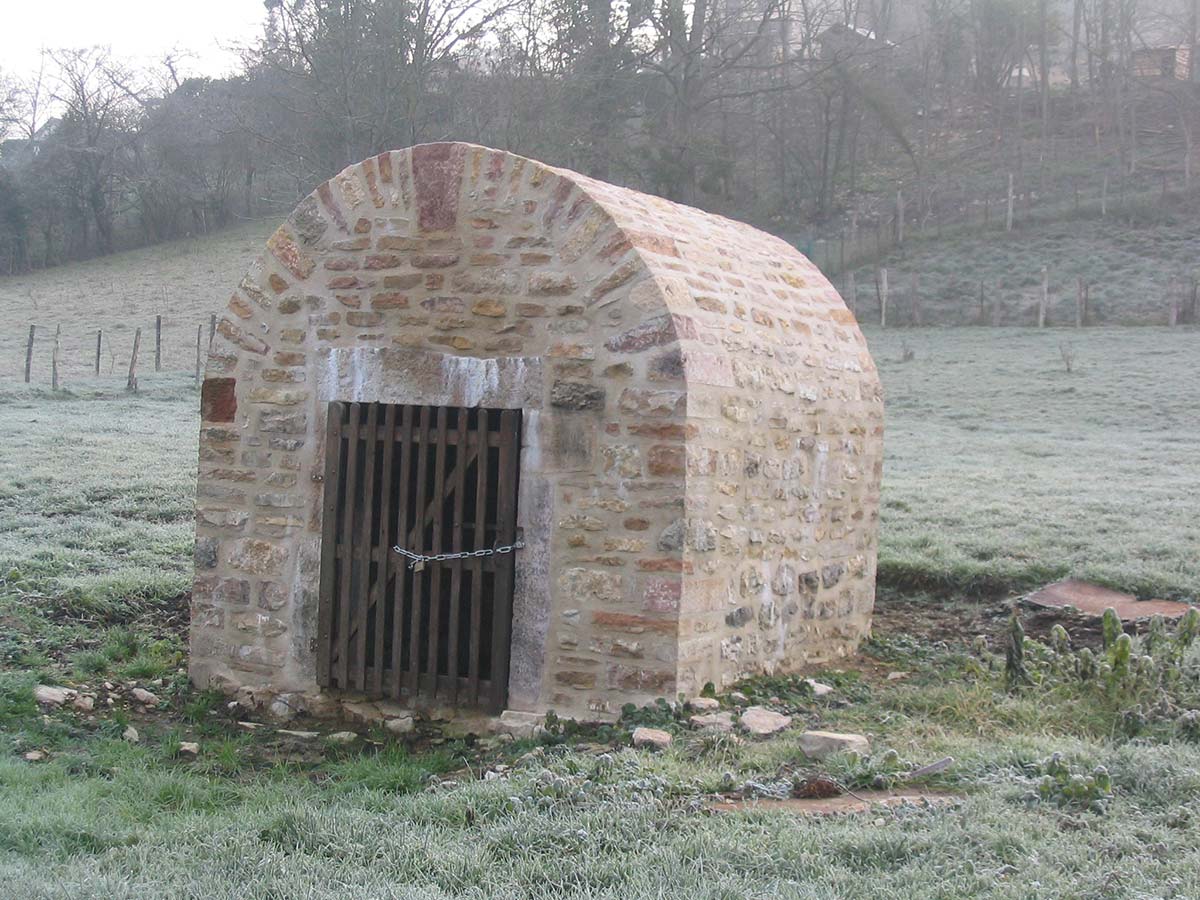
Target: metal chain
416,561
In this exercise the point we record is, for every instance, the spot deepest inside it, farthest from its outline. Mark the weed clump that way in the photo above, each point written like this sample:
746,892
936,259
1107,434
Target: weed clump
1067,788
1134,685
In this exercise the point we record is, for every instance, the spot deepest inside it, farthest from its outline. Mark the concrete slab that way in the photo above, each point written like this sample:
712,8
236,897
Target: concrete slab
1093,600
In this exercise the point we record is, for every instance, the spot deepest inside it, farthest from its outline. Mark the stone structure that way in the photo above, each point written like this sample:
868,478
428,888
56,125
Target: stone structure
702,441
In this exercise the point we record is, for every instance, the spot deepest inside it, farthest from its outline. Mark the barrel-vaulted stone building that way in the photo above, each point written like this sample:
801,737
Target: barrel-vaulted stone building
669,417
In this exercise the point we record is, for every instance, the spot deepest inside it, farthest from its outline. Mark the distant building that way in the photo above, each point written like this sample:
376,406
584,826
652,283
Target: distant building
18,150
1164,62
841,43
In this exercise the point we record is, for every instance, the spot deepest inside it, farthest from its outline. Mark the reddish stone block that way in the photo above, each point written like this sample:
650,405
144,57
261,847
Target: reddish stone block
384,162
437,175
654,681
653,332
218,399
434,260
395,242
664,565
405,282
633,623
666,459
655,243
389,300
662,594
283,247
235,335
240,307
331,206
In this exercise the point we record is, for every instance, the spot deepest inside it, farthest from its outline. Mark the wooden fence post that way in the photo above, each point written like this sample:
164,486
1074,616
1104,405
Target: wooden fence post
1044,299
212,327
883,298
131,383
29,353
54,358
1079,302
199,338
899,217
1104,199
916,299
1008,213
982,305
99,341
158,343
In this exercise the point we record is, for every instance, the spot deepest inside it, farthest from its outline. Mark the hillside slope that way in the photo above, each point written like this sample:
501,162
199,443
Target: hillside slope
183,281
1129,266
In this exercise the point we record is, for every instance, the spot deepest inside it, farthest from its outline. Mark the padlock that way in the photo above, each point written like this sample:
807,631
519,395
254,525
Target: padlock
419,566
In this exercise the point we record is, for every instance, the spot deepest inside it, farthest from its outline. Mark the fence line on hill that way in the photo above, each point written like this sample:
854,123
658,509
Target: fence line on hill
1181,303
163,329
1001,205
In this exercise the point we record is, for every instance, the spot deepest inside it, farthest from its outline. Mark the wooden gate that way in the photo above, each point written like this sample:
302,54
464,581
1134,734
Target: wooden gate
431,480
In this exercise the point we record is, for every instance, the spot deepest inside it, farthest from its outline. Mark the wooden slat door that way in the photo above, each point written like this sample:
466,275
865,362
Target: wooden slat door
431,480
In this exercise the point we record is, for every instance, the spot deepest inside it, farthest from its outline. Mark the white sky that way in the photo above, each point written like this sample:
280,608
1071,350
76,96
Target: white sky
138,31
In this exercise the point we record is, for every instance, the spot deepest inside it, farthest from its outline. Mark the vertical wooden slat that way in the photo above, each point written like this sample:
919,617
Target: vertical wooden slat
481,478
418,545
438,500
329,537
346,550
506,521
398,599
379,587
355,540
363,546
460,482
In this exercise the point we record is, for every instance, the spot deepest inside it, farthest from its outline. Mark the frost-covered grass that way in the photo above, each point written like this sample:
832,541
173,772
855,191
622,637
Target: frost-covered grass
184,281
1003,470
103,818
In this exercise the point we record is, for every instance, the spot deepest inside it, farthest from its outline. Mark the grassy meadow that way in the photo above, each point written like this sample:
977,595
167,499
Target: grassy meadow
184,281
1003,471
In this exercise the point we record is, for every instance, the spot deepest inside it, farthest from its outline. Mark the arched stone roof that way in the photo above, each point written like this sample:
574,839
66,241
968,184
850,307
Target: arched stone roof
702,452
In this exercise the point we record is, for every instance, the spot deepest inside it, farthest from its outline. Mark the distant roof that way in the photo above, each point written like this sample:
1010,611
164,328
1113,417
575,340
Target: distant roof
864,34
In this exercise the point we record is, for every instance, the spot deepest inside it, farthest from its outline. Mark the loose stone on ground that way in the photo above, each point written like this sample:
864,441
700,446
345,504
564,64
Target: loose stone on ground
651,737
760,721
718,721
821,744
46,695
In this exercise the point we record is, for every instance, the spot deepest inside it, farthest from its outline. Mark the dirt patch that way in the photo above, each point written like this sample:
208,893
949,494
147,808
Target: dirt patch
844,804
956,623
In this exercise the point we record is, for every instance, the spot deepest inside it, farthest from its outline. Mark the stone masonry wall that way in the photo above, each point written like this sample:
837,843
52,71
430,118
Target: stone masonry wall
701,456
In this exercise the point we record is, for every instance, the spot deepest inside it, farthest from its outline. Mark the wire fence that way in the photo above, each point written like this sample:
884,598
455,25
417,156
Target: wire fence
53,354
993,205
